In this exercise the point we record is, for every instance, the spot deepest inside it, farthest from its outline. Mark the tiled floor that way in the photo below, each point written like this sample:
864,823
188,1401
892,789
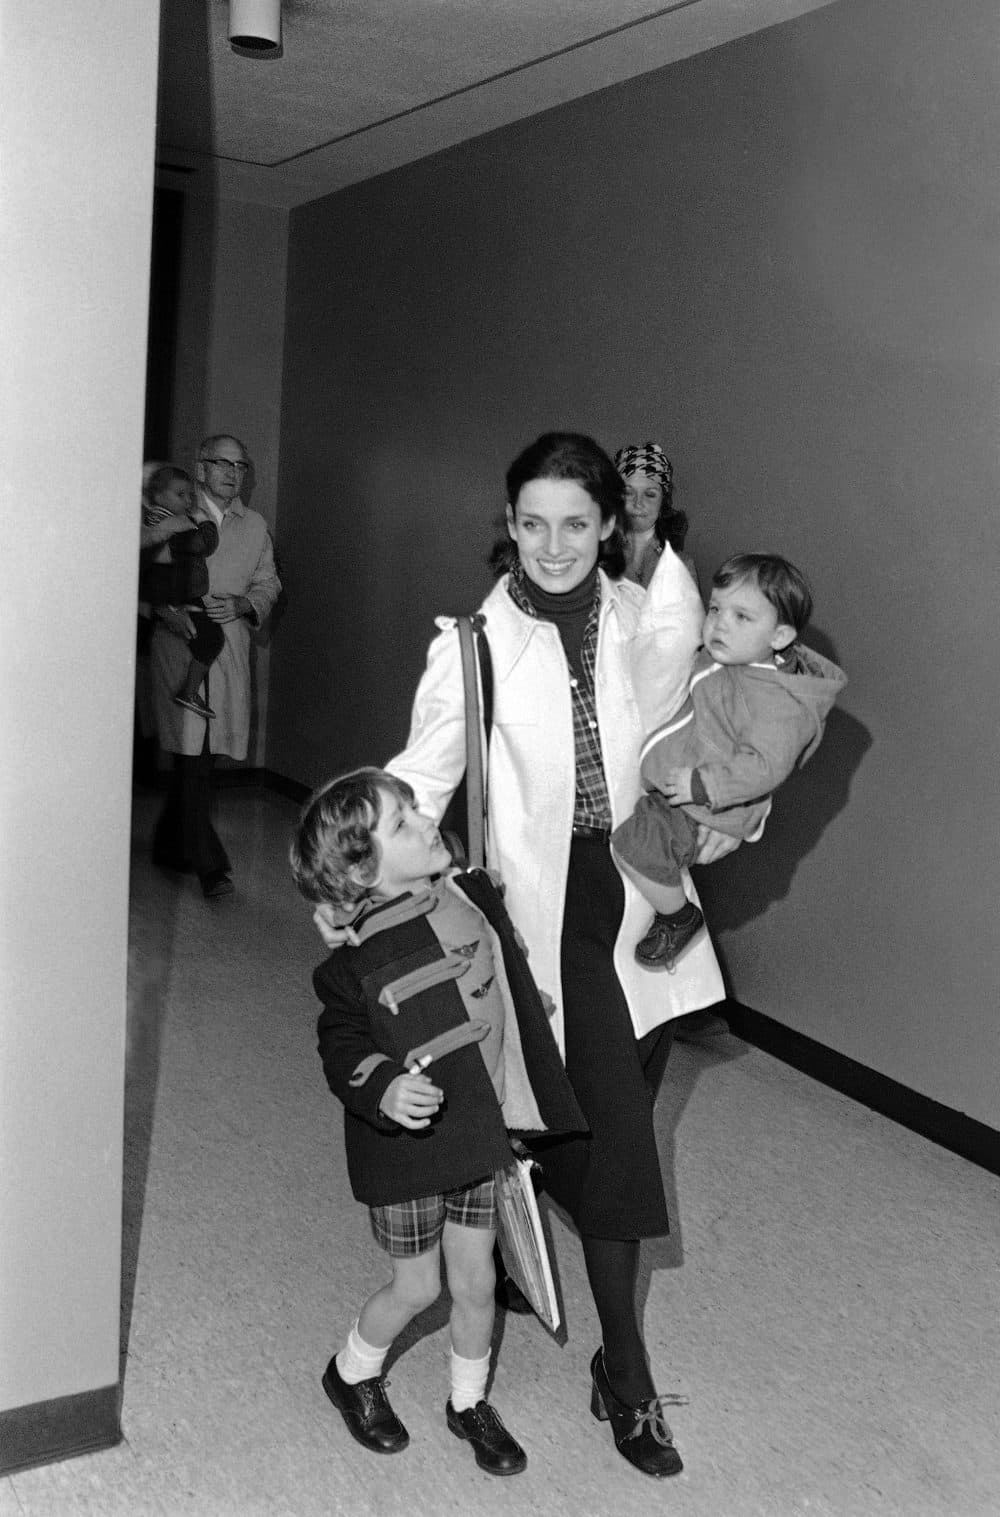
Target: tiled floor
829,1300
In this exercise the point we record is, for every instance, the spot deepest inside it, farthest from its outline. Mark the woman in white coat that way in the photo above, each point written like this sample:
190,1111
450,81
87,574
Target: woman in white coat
563,770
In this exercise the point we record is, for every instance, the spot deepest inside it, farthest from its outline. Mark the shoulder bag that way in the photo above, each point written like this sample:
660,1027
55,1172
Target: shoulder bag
477,674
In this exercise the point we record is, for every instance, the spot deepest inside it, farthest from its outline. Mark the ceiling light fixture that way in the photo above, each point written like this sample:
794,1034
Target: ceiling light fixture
255,25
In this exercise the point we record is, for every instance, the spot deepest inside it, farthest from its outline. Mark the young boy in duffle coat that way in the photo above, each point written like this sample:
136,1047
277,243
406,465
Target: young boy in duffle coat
433,975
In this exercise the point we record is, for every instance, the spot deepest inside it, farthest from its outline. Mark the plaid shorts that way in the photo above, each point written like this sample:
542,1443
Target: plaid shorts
408,1228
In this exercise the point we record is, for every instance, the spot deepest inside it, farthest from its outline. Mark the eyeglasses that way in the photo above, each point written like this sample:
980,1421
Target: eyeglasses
227,463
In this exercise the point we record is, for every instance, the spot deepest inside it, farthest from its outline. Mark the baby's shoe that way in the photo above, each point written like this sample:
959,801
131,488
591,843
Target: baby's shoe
195,703
668,937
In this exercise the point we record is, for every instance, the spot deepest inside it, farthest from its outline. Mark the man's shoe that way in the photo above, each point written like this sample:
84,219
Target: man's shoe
496,1451
215,883
667,938
642,1434
366,1411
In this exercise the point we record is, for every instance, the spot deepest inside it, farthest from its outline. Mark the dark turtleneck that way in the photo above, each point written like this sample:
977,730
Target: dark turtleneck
570,612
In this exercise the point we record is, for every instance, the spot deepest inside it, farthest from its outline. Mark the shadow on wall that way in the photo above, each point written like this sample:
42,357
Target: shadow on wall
743,885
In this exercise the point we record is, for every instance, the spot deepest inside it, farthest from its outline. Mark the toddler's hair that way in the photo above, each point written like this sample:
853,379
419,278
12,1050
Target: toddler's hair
163,478
776,579
334,836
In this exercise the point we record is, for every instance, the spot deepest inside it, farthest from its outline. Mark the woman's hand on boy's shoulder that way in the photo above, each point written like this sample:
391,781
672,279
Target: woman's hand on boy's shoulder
332,925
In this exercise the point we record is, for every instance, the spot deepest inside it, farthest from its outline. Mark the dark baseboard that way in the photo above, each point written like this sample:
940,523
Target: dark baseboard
62,1428
950,1129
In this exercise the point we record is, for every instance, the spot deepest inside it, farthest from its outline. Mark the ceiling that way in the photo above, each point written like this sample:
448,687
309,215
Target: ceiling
362,86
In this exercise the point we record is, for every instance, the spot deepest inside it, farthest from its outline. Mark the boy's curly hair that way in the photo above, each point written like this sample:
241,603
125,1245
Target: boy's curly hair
333,836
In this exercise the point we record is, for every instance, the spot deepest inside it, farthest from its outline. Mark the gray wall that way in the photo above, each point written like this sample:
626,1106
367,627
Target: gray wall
782,259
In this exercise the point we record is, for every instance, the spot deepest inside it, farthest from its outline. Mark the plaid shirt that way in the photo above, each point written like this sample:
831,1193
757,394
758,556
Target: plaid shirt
592,805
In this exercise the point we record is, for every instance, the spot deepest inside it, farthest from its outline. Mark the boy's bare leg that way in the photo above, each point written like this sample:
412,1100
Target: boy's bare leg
675,926
415,1285
663,898
468,1260
353,1378
468,1256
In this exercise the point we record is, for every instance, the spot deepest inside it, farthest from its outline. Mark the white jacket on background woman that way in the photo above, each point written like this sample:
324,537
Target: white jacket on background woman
532,769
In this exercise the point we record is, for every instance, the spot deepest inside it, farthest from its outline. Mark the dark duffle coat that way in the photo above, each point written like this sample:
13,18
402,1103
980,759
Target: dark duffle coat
394,990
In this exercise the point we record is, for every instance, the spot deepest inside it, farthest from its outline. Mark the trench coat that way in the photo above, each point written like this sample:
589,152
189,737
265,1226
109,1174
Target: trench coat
532,769
242,564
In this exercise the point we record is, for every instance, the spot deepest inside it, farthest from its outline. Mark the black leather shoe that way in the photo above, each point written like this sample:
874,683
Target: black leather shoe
496,1451
667,939
365,1409
642,1434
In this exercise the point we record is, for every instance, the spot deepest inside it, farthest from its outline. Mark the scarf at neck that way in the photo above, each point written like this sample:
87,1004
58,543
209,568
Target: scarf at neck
570,613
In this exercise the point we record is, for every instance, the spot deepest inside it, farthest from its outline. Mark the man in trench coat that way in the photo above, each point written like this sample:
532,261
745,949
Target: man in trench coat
243,587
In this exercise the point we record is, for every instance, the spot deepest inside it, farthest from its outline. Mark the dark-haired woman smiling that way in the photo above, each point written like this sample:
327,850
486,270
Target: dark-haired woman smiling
563,769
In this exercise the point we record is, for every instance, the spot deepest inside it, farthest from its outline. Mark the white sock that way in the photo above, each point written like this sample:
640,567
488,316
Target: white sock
468,1380
358,1360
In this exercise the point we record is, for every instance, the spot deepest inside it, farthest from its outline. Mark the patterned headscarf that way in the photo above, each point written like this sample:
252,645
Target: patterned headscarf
646,458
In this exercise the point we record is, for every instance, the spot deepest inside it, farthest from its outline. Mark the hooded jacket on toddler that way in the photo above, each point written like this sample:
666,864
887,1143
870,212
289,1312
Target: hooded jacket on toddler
744,728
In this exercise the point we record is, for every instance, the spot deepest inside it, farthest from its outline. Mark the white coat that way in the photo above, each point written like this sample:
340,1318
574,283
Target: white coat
531,782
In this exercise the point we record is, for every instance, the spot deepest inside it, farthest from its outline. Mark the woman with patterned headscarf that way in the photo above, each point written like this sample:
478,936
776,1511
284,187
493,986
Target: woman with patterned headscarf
652,520
652,523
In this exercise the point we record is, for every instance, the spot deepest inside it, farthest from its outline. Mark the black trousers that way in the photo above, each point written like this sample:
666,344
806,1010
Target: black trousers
185,838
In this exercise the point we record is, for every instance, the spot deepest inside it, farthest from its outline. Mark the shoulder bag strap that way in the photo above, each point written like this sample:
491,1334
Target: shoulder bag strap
476,656
485,675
